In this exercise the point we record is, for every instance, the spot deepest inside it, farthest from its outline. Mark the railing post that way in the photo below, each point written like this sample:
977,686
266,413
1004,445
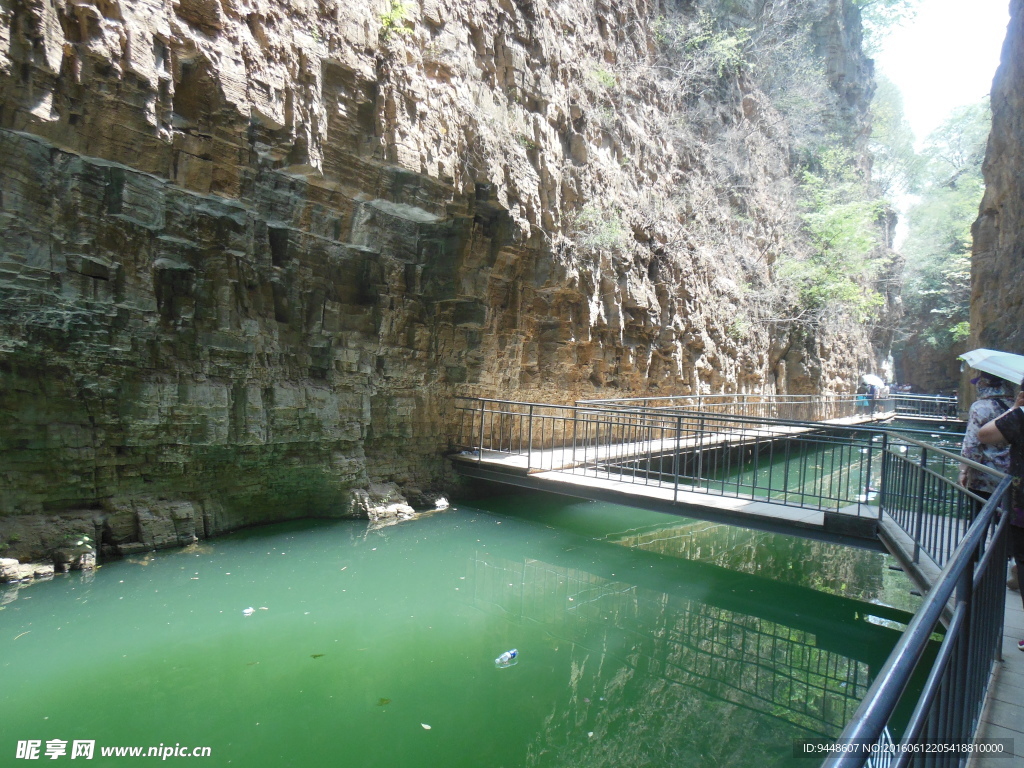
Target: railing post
867,480
884,475
967,646
675,458
480,449
699,445
919,527
575,424
529,441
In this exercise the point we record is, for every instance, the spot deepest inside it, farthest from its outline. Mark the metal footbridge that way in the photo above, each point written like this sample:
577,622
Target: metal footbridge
827,468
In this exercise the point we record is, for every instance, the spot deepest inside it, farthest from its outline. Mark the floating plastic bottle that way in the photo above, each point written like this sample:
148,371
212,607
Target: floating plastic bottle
506,658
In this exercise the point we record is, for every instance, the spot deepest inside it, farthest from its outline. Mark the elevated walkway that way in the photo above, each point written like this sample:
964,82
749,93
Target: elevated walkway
615,458
853,525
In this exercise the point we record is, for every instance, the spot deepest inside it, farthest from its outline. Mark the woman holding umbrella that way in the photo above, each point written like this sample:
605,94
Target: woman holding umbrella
993,400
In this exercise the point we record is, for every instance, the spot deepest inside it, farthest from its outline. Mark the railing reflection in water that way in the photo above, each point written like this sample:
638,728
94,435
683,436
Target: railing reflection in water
746,660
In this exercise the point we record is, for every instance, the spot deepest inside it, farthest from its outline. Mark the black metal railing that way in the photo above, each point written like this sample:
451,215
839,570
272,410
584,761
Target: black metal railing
931,406
794,407
948,709
820,465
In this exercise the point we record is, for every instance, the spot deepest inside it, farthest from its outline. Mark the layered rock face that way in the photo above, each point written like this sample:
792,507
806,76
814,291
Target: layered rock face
250,252
997,266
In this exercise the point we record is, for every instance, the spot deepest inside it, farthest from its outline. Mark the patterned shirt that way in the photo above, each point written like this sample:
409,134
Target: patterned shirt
998,457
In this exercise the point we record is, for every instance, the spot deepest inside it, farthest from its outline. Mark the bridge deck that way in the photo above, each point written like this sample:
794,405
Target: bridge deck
568,457
854,525
551,470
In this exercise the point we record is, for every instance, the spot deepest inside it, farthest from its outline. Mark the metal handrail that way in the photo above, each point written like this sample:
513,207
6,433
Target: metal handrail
954,456
870,724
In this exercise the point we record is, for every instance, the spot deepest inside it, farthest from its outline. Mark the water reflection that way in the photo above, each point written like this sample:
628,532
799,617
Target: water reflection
705,659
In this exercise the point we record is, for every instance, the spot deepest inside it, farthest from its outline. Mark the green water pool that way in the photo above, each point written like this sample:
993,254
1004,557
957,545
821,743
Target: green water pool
643,639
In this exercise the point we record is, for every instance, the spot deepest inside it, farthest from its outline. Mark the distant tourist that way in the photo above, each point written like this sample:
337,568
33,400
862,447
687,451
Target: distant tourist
1009,428
862,398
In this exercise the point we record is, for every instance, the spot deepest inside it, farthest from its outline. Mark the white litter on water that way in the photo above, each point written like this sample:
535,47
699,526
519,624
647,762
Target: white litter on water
249,611
425,726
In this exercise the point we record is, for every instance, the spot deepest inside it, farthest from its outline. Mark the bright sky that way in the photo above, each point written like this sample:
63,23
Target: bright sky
944,58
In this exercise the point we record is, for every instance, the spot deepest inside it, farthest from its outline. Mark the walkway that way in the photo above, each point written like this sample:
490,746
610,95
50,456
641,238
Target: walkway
596,473
854,525
1003,716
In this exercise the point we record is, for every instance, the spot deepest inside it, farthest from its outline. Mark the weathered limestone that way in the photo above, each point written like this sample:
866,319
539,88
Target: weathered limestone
249,253
13,571
997,264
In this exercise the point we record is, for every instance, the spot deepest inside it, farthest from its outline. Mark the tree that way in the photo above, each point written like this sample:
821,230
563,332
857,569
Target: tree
841,223
879,16
938,246
897,166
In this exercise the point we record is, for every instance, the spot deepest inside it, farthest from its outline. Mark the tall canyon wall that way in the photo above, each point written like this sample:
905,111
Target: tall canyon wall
251,250
997,265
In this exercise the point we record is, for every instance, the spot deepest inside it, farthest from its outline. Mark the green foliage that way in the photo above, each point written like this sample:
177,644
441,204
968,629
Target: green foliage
597,228
960,331
604,78
697,50
392,21
897,167
938,247
880,16
841,223
739,328
789,69
727,50
957,147
525,141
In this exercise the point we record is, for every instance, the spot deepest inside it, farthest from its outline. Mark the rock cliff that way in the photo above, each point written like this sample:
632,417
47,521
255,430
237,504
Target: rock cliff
997,266
250,250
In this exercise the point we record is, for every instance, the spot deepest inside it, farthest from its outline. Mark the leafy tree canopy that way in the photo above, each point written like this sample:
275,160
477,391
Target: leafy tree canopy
938,247
880,16
897,167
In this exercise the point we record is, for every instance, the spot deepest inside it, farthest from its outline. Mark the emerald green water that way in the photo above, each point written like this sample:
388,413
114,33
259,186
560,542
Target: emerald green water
644,640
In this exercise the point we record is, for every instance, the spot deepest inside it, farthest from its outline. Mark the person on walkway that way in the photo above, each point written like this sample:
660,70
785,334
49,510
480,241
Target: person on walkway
1009,428
994,398
862,398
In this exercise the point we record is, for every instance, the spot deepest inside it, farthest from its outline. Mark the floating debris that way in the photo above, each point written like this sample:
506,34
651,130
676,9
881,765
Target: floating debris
425,726
316,655
383,702
249,611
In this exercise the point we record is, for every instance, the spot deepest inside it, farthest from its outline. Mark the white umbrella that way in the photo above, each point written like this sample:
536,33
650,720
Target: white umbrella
871,380
1005,365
